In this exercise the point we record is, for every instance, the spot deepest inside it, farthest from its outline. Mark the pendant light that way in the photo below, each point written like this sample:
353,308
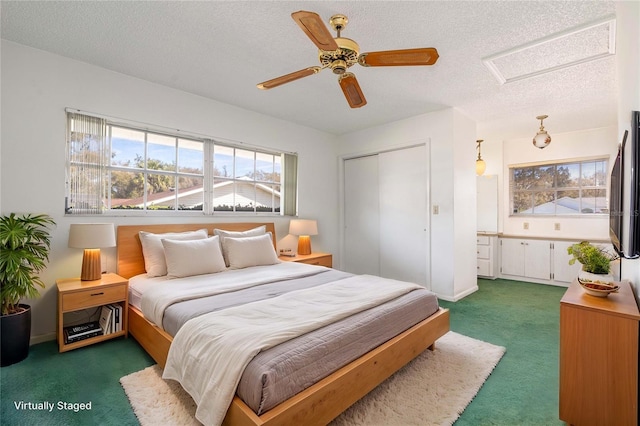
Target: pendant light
542,138
481,166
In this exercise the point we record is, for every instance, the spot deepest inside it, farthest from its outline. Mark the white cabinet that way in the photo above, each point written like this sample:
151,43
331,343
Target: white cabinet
487,250
562,271
511,257
487,199
525,258
539,260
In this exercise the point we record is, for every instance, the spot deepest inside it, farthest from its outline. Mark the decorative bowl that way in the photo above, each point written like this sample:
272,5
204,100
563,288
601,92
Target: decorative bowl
598,288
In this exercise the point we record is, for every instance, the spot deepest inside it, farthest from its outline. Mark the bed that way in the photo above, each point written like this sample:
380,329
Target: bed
316,404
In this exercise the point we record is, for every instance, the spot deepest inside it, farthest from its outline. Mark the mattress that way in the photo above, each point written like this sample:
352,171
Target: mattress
279,373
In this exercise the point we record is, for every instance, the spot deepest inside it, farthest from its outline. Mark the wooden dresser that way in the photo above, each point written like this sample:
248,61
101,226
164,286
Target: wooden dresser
599,357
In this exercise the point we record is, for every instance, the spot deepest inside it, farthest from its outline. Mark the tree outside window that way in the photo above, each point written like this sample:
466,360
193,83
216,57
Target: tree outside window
566,188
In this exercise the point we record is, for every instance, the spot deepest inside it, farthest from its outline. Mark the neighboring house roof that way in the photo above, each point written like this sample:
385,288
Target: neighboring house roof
569,205
223,194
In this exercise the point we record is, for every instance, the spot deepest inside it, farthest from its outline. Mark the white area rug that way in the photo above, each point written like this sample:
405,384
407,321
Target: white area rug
433,389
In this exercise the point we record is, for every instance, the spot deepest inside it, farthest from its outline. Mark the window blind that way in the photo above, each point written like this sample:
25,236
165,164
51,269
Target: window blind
87,157
290,207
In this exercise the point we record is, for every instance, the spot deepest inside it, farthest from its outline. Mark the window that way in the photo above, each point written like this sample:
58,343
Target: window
154,171
113,167
566,188
245,180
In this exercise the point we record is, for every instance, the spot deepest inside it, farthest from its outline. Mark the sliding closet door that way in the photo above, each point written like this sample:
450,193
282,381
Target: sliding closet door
361,213
403,214
386,215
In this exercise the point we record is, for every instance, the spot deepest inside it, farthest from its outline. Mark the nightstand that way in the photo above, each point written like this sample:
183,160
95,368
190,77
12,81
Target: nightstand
75,295
322,259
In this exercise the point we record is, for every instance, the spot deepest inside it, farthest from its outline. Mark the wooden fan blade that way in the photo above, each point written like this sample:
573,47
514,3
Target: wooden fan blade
391,58
316,30
352,91
270,84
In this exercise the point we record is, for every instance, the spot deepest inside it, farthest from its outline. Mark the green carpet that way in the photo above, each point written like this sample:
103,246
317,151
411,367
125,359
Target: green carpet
522,390
524,318
90,374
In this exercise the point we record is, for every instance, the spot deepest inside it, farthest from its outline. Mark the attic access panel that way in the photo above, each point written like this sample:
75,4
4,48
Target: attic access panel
560,50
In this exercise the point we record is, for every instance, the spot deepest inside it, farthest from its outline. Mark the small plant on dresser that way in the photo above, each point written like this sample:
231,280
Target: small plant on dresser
595,260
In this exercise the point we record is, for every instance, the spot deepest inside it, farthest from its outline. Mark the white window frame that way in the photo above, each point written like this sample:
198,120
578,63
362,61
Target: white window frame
555,188
288,175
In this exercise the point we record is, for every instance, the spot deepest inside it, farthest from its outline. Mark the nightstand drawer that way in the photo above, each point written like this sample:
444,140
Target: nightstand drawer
93,297
321,261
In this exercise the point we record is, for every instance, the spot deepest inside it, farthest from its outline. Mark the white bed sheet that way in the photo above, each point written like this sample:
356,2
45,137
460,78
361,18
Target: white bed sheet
138,285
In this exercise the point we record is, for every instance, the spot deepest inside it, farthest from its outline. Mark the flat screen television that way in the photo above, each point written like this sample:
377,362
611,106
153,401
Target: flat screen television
624,197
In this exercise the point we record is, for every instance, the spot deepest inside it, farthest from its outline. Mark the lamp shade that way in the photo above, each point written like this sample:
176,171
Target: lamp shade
542,138
92,235
481,166
303,227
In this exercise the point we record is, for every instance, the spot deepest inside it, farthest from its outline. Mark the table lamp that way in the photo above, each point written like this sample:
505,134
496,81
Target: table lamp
91,237
303,229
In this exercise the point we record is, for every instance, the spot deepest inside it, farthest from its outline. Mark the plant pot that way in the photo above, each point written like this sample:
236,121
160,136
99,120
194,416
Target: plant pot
16,333
601,278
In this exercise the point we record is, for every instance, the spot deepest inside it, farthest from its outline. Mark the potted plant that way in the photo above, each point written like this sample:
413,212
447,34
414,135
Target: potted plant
596,261
24,250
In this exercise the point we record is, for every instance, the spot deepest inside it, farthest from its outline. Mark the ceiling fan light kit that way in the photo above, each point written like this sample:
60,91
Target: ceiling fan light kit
542,138
339,54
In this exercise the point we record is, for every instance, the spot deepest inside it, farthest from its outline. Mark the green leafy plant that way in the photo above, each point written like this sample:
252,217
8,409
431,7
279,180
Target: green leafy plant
24,250
593,259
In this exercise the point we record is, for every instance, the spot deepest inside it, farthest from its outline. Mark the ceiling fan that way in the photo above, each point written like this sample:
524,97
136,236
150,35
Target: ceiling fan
340,53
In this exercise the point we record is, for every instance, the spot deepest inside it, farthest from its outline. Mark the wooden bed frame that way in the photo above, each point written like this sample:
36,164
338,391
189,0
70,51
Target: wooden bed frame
316,405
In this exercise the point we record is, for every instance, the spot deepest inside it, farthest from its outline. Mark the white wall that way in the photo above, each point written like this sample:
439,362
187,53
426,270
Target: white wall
451,183
465,206
36,88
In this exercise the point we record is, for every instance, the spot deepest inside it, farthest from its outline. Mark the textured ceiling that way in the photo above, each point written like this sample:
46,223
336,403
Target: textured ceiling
220,50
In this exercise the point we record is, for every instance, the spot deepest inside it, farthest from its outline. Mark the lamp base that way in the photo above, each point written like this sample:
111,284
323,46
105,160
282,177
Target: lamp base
304,244
91,265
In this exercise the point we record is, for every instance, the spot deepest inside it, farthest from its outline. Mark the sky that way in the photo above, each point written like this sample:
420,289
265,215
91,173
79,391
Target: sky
190,155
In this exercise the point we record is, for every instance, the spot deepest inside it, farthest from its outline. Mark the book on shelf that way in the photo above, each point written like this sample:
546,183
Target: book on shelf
111,318
71,339
82,331
117,317
106,314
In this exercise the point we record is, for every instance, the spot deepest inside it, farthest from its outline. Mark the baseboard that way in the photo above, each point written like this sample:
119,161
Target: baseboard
458,296
42,338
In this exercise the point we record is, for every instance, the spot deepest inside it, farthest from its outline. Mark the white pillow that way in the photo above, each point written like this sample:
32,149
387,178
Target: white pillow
251,251
153,252
260,230
194,257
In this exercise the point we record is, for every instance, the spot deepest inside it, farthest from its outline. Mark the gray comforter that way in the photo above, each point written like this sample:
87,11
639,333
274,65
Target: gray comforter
283,371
